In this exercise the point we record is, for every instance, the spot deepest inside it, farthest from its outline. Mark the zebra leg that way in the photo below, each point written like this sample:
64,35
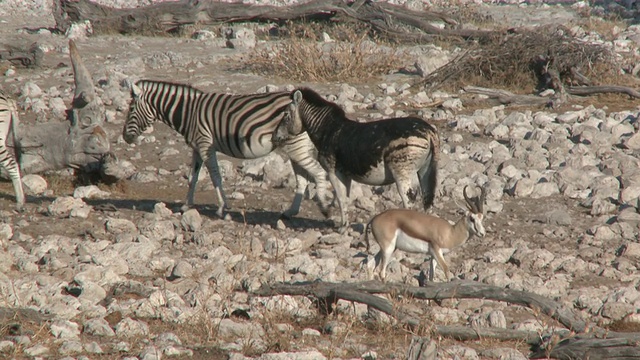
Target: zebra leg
196,165
407,192
14,173
341,185
301,186
216,179
303,156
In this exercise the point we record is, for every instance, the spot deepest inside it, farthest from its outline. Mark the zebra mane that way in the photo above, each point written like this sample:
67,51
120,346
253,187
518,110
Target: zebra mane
315,99
147,84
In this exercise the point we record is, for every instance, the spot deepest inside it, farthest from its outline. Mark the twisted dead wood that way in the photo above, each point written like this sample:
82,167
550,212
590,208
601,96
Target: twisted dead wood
611,89
433,291
586,347
18,55
166,17
508,98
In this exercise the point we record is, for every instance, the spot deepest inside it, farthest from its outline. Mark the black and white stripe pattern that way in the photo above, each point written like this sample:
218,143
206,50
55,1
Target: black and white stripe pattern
8,123
240,126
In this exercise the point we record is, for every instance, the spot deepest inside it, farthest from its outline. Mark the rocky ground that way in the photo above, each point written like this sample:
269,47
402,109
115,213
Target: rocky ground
121,272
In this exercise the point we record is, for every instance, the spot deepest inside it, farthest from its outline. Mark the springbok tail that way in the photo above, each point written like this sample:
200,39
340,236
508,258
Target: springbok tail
428,175
366,233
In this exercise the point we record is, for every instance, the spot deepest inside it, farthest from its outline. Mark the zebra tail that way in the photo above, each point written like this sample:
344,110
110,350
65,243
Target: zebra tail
17,148
428,174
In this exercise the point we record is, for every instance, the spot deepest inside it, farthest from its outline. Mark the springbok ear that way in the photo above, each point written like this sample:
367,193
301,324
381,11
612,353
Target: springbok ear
297,97
136,92
464,209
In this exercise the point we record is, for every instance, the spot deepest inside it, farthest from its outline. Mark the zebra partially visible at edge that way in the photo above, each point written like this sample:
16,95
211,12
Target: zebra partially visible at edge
8,123
240,126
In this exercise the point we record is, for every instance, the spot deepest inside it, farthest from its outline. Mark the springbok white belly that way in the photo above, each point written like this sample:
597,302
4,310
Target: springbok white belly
410,244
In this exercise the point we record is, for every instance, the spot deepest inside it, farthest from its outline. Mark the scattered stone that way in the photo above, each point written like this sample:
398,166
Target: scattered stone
120,226
36,350
34,184
64,329
130,328
182,269
63,206
558,217
98,327
191,220
90,192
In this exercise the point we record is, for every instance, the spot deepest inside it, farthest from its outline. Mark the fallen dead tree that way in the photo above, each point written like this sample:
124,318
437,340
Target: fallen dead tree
504,97
364,293
545,58
581,347
591,340
391,21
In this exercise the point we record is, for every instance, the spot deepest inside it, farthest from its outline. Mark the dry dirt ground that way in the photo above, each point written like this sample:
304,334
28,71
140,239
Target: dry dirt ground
520,218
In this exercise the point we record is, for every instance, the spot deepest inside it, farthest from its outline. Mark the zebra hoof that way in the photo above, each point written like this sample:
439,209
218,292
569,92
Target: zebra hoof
287,215
21,209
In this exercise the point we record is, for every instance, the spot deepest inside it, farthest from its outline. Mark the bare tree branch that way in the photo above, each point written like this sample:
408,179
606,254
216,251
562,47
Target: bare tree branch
433,291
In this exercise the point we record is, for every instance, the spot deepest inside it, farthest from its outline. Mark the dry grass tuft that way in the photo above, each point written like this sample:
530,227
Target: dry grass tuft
60,184
352,56
624,326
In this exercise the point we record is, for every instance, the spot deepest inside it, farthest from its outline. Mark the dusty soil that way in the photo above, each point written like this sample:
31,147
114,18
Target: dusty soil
519,220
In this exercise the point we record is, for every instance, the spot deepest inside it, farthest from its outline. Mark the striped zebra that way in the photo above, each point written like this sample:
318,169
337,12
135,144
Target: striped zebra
8,123
239,126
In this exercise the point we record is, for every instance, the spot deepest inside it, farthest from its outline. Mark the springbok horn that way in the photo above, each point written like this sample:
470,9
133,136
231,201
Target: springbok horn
472,205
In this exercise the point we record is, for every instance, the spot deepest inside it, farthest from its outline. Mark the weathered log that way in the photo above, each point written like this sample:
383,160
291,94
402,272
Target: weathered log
612,89
582,347
27,57
166,17
432,291
508,98
464,333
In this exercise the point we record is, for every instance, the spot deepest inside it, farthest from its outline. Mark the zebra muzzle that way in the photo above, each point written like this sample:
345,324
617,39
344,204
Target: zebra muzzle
129,138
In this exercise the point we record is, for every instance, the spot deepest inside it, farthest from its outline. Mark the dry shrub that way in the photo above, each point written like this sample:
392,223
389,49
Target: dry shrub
353,57
624,326
512,61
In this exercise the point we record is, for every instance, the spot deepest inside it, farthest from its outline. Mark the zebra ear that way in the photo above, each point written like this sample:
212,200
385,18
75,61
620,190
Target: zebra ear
297,97
136,92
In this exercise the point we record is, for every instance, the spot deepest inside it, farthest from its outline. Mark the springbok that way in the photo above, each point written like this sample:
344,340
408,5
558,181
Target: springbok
401,150
416,232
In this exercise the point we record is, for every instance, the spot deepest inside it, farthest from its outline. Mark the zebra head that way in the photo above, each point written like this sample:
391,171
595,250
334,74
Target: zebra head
291,123
141,114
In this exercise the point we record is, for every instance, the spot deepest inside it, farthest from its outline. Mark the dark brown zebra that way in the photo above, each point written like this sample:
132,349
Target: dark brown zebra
401,150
